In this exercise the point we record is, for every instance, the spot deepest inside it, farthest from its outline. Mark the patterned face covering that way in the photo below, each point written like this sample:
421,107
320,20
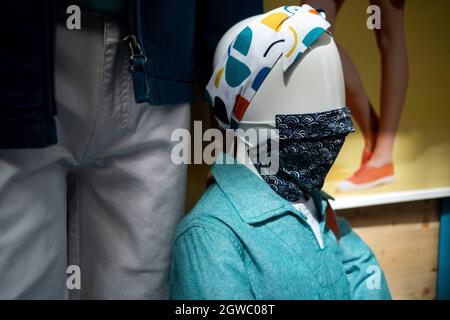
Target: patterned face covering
308,147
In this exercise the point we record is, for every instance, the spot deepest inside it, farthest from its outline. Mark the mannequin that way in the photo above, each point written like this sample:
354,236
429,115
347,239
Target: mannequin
267,237
314,83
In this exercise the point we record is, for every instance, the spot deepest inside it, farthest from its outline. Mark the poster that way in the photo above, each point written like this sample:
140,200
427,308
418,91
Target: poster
421,149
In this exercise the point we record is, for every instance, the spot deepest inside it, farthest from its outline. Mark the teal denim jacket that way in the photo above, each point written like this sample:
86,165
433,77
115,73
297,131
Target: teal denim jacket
243,241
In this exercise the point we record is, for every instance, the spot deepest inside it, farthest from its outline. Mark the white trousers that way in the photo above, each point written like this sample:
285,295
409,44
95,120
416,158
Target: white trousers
107,197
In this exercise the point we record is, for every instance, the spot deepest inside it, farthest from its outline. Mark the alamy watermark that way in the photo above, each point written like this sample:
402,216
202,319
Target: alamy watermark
73,22
374,20
73,281
373,282
251,146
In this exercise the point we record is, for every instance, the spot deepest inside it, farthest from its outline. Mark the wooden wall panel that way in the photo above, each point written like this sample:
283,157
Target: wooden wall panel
404,238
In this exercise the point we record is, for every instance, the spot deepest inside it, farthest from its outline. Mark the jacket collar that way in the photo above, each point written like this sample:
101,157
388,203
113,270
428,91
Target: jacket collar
253,198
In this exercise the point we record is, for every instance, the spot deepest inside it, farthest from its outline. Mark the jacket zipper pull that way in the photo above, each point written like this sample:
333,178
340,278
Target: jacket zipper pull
137,68
135,50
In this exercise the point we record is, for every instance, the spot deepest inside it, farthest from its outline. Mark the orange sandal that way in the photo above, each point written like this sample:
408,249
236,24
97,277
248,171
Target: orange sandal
368,177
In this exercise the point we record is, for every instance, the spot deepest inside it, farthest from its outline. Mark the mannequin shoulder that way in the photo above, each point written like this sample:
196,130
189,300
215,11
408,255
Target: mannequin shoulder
213,210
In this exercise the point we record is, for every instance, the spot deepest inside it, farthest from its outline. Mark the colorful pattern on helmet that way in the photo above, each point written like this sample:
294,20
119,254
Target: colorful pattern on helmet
286,33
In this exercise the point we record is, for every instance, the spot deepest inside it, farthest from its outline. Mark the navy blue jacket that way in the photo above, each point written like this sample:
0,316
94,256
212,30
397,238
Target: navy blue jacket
177,37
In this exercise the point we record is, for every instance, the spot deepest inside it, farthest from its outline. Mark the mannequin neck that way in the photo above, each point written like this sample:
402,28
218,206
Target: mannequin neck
242,158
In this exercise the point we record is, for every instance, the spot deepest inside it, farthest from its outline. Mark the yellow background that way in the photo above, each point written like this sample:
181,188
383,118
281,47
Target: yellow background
422,151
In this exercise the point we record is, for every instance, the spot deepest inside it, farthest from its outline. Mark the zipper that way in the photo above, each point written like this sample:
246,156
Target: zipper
137,57
135,50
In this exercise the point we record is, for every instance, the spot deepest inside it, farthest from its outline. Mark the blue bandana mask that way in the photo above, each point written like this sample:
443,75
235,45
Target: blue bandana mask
308,146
